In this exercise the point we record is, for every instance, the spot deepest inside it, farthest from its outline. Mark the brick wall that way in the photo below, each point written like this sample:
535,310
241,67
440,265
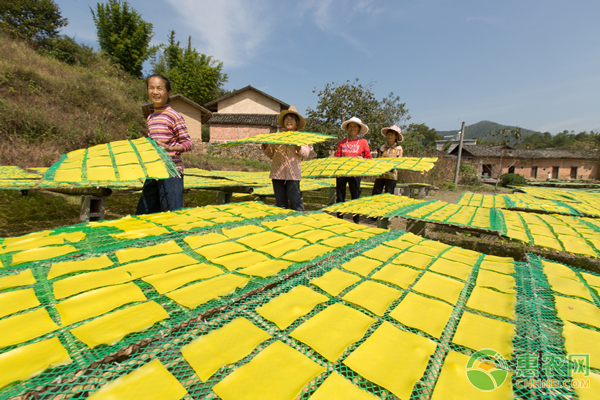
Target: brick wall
225,133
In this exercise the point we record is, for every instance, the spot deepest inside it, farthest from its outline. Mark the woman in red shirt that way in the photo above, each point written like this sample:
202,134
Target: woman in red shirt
351,146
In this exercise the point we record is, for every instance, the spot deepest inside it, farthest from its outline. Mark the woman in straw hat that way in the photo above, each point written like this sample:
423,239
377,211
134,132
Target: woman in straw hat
390,149
351,146
285,165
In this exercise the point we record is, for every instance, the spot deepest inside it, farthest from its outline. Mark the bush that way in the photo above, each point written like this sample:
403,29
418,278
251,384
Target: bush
512,180
467,175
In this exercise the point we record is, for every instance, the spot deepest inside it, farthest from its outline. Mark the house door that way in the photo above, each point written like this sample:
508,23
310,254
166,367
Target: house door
534,171
487,170
511,170
554,172
573,172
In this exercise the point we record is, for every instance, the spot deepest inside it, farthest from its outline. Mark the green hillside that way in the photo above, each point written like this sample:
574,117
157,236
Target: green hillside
479,130
48,107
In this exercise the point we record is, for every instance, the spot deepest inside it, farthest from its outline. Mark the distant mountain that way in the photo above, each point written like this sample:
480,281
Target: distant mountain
479,130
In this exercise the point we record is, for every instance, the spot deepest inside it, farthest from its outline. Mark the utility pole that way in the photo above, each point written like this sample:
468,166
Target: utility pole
460,144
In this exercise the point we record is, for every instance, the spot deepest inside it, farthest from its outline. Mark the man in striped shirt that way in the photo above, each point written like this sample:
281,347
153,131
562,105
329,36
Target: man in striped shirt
167,127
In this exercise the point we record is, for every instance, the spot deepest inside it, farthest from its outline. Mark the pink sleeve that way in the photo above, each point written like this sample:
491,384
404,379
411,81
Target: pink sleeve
366,152
338,152
183,137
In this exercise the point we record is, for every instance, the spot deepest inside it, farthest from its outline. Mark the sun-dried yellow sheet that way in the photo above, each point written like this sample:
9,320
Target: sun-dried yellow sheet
241,260
152,381
425,248
569,287
453,382
503,267
397,275
392,358
425,314
33,243
242,231
158,265
223,346
293,229
67,267
97,302
213,251
90,280
335,281
42,253
332,330
339,241
196,241
439,286
174,279
492,302
362,235
477,332
315,235
452,268
141,253
575,310
361,265
582,341
373,296
261,239
23,278
199,293
307,253
381,253
592,280
498,281
591,391
284,309
140,233
556,269
25,362
280,247
415,260
17,300
23,327
464,256
277,372
265,268
337,387
111,328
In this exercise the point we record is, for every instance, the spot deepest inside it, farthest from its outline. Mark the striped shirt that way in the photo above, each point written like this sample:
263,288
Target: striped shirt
167,126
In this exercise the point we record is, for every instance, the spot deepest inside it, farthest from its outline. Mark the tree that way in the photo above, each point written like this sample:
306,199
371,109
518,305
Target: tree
195,75
123,35
506,136
419,139
340,102
35,20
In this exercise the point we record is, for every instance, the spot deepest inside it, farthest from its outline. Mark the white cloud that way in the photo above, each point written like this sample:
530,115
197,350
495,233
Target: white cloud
231,31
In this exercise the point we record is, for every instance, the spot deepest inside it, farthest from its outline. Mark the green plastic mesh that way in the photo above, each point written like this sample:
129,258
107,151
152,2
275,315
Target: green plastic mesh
537,333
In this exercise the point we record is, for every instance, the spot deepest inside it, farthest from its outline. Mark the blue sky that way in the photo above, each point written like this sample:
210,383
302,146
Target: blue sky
529,63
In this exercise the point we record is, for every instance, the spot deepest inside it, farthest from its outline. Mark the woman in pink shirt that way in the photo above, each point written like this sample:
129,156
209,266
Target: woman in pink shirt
285,167
351,146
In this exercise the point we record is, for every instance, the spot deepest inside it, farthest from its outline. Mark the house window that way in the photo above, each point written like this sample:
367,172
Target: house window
534,171
554,172
573,172
511,170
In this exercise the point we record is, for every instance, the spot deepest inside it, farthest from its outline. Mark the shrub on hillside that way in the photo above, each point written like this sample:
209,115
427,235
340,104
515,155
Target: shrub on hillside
512,180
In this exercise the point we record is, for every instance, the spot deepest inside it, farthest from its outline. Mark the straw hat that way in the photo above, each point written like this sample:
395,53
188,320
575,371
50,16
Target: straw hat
363,128
291,110
399,137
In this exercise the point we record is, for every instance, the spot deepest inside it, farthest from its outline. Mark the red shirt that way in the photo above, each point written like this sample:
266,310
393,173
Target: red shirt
353,148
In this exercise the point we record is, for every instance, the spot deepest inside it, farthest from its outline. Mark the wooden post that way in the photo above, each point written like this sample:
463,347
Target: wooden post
460,145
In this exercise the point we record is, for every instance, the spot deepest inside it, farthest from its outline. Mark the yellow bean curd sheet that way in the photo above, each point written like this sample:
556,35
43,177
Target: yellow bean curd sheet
67,267
27,361
23,327
392,358
579,340
151,381
335,281
199,293
373,296
338,387
111,328
575,310
223,346
397,275
23,278
141,253
440,287
453,382
413,307
332,330
477,332
494,280
284,309
176,278
277,372
96,302
17,300
43,253
492,302
588,393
